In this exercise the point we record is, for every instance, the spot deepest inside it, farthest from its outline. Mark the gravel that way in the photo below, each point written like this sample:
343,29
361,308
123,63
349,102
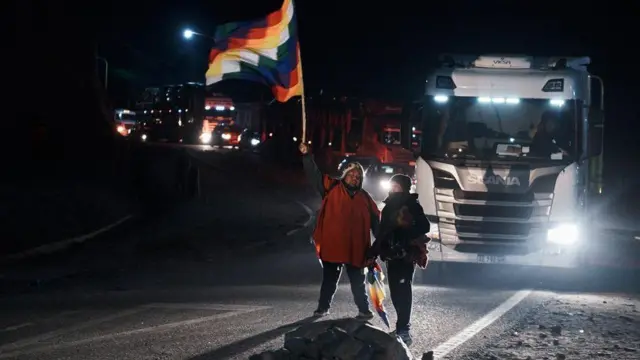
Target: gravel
573,327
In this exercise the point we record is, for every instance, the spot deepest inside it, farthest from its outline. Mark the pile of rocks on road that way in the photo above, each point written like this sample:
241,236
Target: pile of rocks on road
343,339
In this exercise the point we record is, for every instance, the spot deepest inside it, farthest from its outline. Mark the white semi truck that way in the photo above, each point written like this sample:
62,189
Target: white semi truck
511,159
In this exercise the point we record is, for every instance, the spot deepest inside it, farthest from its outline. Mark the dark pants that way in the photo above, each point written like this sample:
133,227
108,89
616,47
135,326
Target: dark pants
400,278
331,276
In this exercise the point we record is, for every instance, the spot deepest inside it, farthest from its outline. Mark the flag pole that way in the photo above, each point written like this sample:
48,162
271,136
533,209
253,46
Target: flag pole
304,103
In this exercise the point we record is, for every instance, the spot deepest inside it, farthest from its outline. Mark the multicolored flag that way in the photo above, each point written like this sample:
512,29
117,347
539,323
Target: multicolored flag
265,51
375,277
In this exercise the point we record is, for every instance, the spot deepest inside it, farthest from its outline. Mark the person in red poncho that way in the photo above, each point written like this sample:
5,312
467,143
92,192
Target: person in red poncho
342,235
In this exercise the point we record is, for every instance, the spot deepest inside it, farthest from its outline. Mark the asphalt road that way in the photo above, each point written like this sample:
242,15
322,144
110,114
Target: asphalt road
228,306
237,306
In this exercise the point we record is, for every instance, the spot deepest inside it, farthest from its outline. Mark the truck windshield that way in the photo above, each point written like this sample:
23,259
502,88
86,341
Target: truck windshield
499,128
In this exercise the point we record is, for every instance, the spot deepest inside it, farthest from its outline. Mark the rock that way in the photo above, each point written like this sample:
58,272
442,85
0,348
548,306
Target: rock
329,342
272,355
428,355
373,335
350,326
296,346
556,330
391,346
561,356
309,331
556,342
346,339
354,349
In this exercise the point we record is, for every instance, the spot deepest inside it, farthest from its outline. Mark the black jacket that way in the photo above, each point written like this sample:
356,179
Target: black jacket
402,221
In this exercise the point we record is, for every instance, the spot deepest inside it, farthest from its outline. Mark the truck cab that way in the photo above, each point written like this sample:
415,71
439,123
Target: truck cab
510,158
125,121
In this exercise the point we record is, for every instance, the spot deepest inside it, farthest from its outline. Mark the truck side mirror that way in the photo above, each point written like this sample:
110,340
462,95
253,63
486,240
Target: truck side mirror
596,131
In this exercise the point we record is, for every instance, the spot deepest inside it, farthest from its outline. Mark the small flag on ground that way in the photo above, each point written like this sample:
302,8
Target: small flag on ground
265,51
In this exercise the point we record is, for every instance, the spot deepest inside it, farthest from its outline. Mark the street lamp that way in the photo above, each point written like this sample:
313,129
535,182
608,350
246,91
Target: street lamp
188,34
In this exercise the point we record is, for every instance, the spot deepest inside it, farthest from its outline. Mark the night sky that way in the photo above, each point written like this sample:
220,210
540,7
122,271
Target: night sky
379,49
368,48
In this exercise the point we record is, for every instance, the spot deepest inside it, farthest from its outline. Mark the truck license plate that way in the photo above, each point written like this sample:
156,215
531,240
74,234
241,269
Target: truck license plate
491,259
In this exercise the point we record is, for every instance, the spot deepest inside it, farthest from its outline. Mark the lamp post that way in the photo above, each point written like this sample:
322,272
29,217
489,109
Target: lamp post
189,34
106,70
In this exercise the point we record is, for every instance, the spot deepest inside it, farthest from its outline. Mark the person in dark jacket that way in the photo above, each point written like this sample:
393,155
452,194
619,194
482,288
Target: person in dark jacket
342,237
401,241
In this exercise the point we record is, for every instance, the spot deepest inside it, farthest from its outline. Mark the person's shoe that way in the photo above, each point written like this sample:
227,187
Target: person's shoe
405,337
365,316
321,312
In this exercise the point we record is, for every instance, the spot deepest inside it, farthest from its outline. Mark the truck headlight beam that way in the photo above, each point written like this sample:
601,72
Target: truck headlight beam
564,234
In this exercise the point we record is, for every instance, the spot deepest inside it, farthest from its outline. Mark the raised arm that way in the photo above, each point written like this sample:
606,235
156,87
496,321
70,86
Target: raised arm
320,182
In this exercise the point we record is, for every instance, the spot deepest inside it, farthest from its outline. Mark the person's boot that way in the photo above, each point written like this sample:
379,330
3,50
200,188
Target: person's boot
321,312
405,336
365,315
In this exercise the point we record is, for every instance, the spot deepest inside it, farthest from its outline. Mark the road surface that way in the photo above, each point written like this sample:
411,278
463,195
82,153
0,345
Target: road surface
233,307
214,304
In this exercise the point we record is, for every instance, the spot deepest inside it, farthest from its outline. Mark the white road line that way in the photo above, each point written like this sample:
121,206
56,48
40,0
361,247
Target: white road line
306,223
52,334
16,327
214,307
40,320
637,237
463,336
240,309
60,245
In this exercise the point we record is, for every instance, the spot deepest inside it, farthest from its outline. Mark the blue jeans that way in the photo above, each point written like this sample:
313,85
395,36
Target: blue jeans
331,276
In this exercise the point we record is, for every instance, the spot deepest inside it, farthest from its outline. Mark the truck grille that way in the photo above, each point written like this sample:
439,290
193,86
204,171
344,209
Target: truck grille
510,222
518,212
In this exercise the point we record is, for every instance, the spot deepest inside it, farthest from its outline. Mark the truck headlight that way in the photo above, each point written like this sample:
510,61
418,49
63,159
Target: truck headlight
385,184
255,142
205,137
564,234
226,136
